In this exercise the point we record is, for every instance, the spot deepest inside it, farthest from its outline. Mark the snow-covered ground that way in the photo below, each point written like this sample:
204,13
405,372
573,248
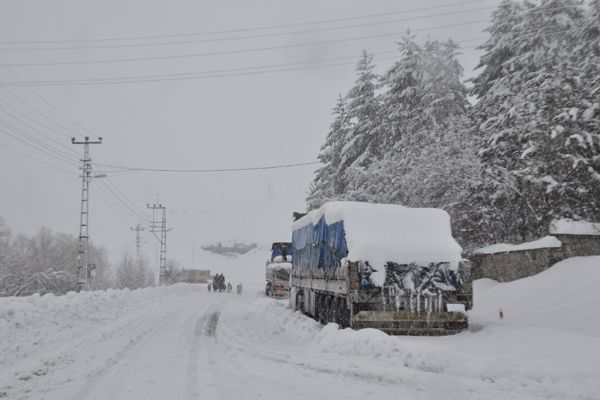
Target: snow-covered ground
182,342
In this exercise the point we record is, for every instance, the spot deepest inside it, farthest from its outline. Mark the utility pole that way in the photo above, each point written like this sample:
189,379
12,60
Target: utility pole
83,266
160,227
138,245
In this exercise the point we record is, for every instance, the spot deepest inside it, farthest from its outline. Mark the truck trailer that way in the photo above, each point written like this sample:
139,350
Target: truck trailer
382,266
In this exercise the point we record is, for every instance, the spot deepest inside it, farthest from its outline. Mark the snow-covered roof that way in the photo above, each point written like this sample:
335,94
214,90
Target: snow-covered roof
543,243
569,226
278,265
382,233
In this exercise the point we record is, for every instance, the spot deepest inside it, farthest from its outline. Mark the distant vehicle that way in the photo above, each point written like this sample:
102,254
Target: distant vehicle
389,267
195,276
278,269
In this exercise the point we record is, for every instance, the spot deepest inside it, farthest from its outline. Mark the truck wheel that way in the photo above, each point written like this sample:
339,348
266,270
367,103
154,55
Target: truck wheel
343,313
300,301
329,309
337,316
318,305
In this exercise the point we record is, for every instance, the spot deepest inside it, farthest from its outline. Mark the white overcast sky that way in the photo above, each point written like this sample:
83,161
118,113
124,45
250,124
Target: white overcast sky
239,121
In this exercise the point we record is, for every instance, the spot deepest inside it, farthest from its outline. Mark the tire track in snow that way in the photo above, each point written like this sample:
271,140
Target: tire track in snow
129,352
42,376
199,368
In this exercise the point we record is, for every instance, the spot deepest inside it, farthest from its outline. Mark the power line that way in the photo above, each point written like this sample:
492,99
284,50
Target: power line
132,183
121,204
126,195
110,203
21,113
41,98
50,105
33,143
172,77
124,203
120,168
239,30
234,69
256,49
206,74
246,37
70,151
36,159
130,195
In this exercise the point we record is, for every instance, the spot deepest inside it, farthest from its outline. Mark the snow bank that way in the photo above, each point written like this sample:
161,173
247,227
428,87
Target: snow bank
564,297
568,226
543,243
548,350
381,233
30,323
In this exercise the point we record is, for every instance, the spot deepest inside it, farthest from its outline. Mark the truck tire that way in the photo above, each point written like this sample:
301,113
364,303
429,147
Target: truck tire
343,313
318,305
337,311
329,314
300,301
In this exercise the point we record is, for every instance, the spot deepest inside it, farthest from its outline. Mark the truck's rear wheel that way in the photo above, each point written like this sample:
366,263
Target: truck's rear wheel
329,309
343,313
300,301
319,307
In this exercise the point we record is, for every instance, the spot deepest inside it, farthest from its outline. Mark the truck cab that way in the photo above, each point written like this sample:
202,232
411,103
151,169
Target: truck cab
278,269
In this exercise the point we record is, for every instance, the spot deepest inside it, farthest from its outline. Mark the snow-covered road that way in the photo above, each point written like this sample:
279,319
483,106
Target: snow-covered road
181,342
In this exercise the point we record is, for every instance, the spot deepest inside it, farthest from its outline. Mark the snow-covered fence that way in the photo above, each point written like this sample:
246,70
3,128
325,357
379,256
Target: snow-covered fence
508,262
505,262
579,238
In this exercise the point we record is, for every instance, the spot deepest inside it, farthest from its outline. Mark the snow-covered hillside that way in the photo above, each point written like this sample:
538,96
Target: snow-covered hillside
248,269
182,342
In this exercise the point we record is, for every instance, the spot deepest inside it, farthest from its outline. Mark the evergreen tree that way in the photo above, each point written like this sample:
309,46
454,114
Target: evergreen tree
400,97
430,158
538,160
327,184
361,145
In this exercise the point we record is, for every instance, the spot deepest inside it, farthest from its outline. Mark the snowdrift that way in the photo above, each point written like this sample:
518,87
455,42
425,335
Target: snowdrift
28,324
565,297
548,345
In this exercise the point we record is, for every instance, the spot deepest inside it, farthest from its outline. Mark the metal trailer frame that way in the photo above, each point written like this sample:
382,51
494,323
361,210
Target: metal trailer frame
339,298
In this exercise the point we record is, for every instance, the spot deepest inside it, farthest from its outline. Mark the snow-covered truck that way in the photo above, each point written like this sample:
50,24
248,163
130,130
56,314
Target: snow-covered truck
278,269
381,266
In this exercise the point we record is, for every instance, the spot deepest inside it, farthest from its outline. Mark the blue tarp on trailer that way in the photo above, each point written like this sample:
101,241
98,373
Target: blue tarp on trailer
319,246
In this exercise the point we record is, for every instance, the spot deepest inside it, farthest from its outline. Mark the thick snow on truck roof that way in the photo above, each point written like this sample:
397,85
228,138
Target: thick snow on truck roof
381,233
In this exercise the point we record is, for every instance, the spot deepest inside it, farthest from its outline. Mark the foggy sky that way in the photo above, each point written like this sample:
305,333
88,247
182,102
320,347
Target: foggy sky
274,118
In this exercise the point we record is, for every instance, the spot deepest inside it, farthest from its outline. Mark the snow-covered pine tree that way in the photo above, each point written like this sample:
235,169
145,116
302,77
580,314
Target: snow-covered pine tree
362,142
381,182
529,98
327,184
430,158
400,96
